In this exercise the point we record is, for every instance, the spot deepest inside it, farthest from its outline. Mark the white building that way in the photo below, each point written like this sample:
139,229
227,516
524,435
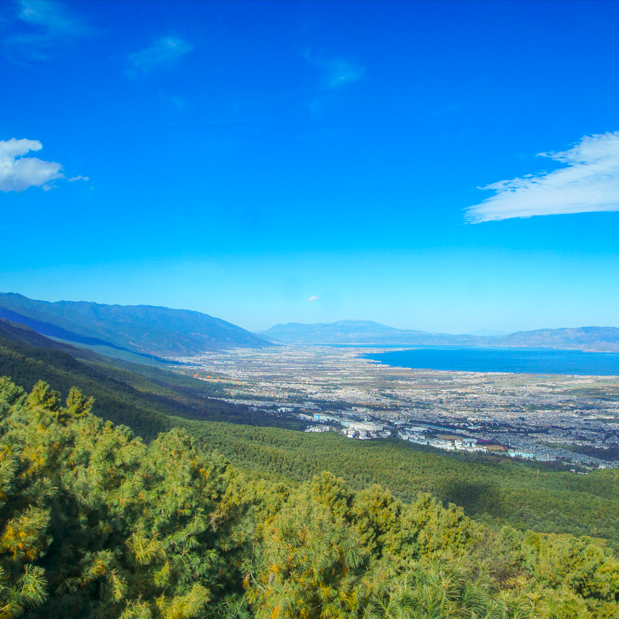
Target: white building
365,426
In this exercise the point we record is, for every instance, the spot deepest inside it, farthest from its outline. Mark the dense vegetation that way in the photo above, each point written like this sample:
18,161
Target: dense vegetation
494,489
96,523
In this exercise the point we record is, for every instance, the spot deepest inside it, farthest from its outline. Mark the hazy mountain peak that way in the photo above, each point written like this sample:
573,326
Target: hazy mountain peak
487,333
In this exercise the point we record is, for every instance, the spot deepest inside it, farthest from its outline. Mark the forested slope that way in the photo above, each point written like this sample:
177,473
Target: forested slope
141,397
95,523
493,489
139,329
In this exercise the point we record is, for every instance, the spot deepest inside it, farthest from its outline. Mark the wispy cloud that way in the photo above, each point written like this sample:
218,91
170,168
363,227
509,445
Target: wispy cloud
48,24
314,298
78,178
163,54
589,183
337,71
17,172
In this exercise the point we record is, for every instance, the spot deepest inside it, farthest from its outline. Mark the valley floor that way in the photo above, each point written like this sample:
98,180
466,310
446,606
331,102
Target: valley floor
540,417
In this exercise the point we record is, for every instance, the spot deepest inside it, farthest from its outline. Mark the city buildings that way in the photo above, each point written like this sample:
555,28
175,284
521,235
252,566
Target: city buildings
571,419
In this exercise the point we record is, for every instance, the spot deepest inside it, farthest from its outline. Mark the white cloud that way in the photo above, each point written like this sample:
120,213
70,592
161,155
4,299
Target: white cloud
314,298
589,183
78,178
48,14
338,71
50,24
162,54
17,172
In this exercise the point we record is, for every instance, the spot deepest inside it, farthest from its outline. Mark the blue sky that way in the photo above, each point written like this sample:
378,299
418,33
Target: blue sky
445,166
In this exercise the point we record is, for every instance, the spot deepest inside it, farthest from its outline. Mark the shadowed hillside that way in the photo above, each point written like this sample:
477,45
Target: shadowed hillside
145,398
137,329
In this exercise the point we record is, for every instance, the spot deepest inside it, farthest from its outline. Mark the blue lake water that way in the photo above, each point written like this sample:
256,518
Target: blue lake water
511,360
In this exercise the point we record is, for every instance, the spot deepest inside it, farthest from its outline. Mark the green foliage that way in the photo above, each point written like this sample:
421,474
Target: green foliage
105,524
96,523
495,490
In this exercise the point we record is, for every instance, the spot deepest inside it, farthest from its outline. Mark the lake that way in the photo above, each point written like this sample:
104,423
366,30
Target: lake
510,360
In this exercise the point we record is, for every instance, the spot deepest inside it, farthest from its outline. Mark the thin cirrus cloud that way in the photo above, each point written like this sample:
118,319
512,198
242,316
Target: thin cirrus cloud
163,54
337,71
589,183
47,24
78,178
314,298
17,172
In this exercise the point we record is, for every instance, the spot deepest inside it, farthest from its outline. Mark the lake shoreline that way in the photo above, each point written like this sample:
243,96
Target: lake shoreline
486,359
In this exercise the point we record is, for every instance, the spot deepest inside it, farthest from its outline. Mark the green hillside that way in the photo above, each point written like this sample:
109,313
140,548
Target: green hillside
134,329
495,490
142,397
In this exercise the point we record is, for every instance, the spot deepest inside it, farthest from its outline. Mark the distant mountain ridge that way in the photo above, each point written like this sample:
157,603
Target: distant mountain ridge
135,329
343,329
360,332
599,339
488,333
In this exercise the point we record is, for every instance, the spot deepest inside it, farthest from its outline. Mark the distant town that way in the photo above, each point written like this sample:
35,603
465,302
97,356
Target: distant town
572,420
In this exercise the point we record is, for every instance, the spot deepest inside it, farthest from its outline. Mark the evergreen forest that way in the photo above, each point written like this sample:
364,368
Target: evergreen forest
98,523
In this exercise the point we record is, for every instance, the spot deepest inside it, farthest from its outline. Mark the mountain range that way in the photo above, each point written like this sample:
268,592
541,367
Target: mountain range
369,333
150,334
131,332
